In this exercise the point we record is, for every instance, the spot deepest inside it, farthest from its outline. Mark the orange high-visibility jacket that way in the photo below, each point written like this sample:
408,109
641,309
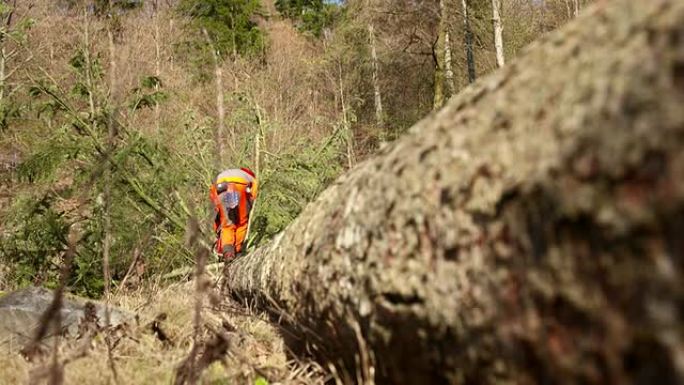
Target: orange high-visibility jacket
232,206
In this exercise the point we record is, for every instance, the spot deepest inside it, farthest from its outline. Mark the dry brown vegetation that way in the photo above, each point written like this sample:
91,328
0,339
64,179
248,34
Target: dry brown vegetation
141,357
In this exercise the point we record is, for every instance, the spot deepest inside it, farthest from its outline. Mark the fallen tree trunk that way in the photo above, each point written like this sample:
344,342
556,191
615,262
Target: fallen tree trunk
531,232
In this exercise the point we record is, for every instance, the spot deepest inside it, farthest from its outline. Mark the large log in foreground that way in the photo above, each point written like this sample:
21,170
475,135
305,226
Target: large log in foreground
531,232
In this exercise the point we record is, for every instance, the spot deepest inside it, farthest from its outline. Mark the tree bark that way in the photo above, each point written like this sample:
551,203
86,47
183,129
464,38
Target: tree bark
530,232
470,57
498,33
379,114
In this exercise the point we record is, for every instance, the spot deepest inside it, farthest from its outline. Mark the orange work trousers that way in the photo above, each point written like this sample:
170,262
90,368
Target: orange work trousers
232,217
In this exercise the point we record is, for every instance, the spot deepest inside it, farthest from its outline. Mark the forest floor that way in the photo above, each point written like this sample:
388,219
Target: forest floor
256,353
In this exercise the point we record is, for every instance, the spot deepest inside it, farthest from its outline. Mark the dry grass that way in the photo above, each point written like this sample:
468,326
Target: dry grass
141,358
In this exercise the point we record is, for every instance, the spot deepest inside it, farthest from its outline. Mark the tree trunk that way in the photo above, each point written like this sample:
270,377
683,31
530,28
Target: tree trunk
438,58
157,64
577,7
348,134
498,33
530,232
445,22
379,114
2,74
470,57
220,113
7,15
448,66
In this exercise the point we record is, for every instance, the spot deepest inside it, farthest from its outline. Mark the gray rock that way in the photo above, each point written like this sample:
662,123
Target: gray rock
20,313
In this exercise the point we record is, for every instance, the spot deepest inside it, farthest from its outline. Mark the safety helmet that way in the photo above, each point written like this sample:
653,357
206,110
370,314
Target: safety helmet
248,171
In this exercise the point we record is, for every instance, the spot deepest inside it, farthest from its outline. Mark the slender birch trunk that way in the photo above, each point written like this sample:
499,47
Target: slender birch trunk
498,33
88,69
7,20
470,57
379,114
232,29
2,73
438,58
257,164
157,63
107,242
171,33
448,61
577,7
448,66
220,112
349,137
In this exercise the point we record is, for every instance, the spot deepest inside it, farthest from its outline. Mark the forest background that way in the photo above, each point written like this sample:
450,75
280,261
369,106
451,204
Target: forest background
116,115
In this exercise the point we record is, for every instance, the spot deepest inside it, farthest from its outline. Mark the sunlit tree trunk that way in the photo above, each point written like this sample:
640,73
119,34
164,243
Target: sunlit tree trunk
349,135
379,114
470,57
438,58
258,139
220,112
108,182
498,33
2,74
157,62
7,23
107,242
448,66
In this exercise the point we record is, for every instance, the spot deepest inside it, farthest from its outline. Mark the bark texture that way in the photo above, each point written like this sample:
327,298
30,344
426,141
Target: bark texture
531,232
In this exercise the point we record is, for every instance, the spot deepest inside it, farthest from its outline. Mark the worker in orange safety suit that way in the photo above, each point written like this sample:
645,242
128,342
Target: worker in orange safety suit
233,194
